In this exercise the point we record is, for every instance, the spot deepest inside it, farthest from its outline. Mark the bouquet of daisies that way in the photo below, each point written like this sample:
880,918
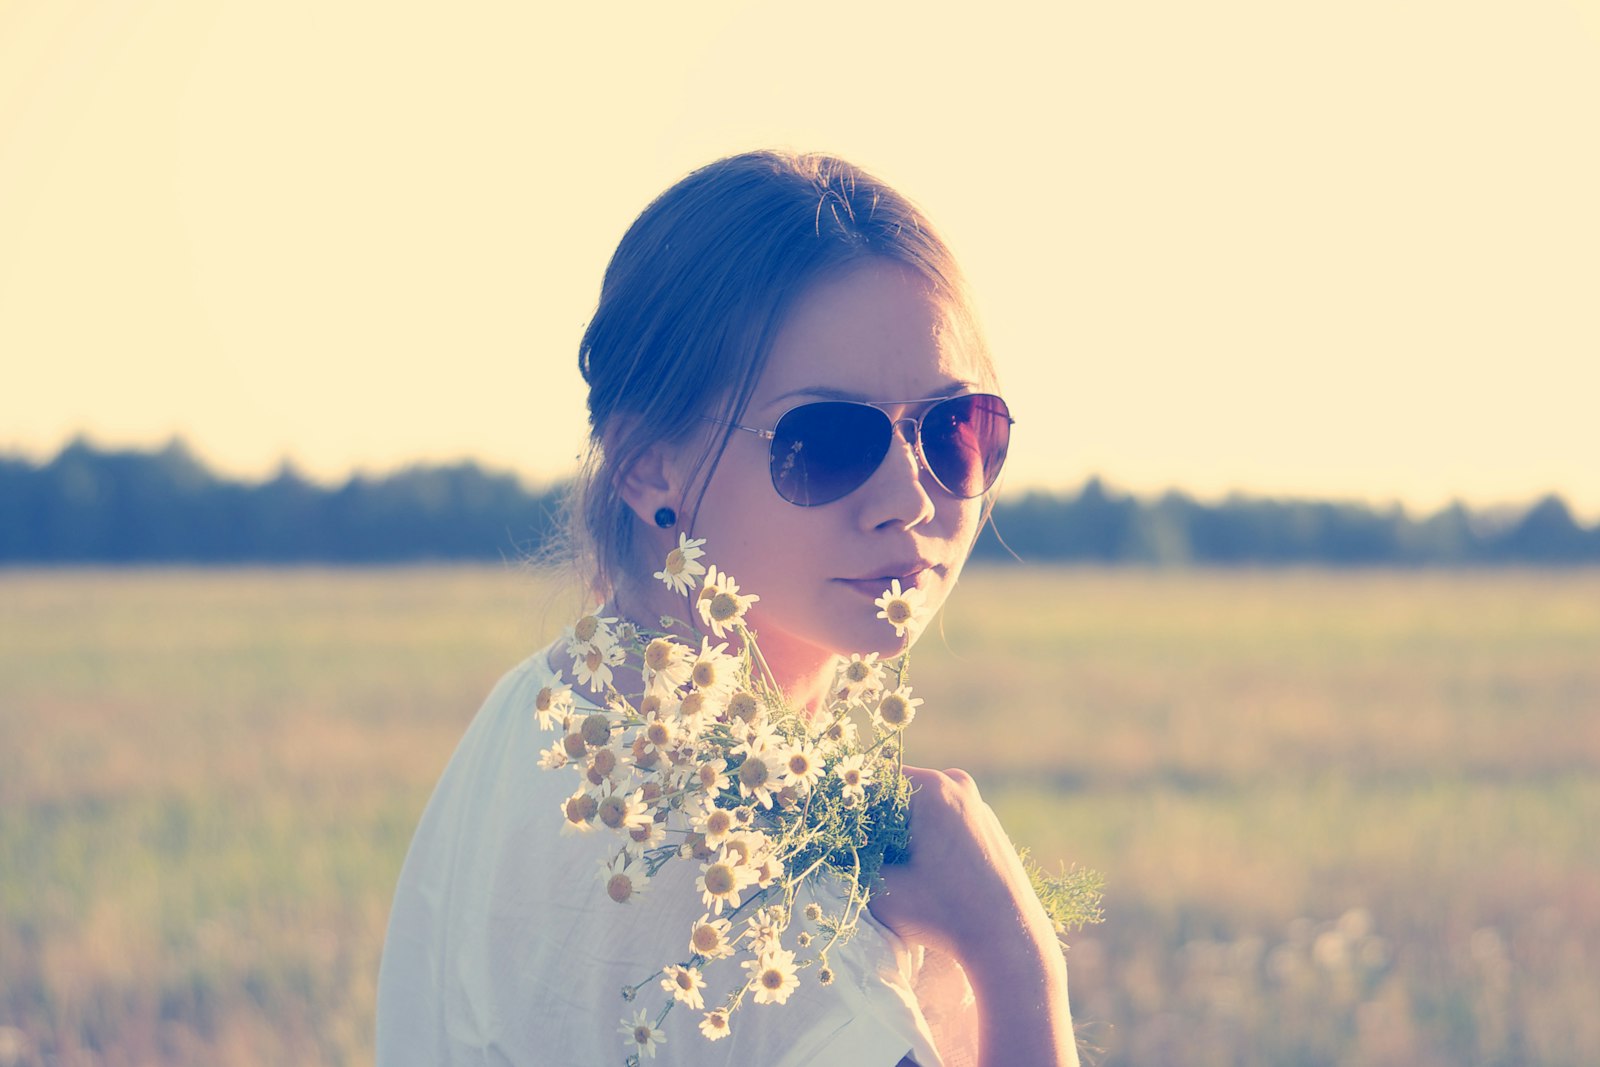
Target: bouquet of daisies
707,764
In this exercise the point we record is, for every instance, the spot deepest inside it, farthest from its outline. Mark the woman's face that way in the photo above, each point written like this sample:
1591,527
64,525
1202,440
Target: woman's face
877,333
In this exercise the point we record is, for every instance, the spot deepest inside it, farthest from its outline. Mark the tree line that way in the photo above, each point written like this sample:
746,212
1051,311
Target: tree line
91,505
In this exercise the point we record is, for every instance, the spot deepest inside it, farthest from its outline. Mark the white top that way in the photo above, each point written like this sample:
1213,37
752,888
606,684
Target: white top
503,947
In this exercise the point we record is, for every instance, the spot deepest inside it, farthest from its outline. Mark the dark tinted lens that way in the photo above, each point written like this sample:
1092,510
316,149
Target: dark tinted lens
964,440
822,451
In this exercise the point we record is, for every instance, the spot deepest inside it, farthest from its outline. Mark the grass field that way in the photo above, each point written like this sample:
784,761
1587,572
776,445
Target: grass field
1345,818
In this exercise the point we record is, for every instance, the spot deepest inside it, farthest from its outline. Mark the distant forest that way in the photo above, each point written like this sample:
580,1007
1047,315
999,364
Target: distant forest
88,505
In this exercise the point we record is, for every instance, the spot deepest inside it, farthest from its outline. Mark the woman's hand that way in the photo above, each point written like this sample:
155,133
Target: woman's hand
964,892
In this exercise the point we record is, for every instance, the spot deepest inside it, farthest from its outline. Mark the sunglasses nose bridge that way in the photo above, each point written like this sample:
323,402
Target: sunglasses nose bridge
912,434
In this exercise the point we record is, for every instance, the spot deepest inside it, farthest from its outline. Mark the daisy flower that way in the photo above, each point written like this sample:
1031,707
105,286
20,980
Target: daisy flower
773,976
746,847
896,710
839,735
641,1035
623,812
578,812
605,768
684,983
658,735
683,565
554,758
802,767
715,825
702,705
859,676
708,937
666,666
768,868
715,1025
854,776
744,706
720,604
763,929
758,776
590,632
711,777
593,666
624,877
553,705
755,738
642,839
900,607
722,880
713,670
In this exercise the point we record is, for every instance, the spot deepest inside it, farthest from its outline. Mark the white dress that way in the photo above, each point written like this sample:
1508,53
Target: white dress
504,949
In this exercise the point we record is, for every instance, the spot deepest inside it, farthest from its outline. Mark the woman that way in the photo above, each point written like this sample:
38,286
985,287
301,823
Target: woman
767,309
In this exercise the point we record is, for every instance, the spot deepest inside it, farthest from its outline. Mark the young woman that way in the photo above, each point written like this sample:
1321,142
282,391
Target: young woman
784,361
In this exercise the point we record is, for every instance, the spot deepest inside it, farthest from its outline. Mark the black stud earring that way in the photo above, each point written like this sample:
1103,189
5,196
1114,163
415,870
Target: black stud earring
665,517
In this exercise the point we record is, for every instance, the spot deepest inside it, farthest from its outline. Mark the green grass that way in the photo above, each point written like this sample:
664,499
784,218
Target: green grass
1345,818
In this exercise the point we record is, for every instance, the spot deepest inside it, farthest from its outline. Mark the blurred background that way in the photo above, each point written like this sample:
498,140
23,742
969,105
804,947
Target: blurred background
1294,304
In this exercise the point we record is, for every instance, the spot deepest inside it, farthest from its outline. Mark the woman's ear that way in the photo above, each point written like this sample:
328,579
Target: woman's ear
651,483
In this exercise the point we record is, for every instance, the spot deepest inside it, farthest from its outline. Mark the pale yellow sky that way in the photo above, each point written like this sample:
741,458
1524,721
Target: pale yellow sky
1339,249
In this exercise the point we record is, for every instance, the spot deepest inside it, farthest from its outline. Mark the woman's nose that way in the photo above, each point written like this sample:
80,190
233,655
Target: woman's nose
898,498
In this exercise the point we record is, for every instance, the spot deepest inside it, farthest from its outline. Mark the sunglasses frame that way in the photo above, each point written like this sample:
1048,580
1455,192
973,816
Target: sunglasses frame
915,439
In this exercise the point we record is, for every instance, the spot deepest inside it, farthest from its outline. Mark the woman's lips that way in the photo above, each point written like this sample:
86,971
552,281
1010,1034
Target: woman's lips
877,586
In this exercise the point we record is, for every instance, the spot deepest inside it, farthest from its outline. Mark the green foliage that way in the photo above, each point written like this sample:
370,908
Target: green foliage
1070,897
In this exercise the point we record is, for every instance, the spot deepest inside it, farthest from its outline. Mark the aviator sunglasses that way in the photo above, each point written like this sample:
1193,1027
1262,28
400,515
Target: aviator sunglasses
826,450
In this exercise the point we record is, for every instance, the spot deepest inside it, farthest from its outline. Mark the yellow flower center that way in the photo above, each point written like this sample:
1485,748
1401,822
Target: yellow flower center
744,705
753,773
685,981
708,775
719,822
894,710
544,699
613,809
641,1034
772,979
799,764
592,661
658,654
650,706
574,746
619,887
581,809
898,611
719,879
717,1021
857,671
657,733
596,729
693,704
705,674
852,777
605,761
675,561
586,628
706,938
724,606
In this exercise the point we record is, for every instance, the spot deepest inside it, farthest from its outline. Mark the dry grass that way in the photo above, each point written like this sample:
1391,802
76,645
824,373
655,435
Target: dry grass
1346,818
